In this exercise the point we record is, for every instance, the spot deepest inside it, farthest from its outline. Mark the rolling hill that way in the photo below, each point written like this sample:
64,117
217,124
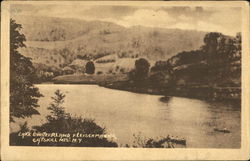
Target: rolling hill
59,41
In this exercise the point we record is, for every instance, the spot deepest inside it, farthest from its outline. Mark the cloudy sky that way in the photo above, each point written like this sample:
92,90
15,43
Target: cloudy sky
220,19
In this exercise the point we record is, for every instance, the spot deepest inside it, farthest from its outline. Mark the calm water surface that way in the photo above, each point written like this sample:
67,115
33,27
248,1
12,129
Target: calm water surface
126,113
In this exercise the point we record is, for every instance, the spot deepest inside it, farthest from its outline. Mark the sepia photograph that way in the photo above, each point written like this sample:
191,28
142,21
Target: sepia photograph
122,75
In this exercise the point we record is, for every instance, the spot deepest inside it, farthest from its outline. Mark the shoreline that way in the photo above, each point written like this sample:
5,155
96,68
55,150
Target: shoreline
180,93
202,93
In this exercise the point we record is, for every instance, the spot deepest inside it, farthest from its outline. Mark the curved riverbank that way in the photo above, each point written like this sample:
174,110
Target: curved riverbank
232,94
120,82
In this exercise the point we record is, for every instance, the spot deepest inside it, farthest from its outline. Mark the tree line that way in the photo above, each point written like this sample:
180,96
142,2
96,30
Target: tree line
216,64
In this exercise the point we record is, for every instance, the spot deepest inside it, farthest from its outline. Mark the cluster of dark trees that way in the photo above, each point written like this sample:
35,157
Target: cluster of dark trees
216,64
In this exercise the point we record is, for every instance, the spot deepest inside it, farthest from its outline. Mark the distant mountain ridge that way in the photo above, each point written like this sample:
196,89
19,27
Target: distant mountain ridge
38,28
59,41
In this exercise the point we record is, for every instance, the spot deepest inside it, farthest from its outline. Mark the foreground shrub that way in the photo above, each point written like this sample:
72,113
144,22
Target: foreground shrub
61,122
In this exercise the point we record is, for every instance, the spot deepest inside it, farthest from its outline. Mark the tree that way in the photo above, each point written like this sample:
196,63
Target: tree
211,42
56,108
90,67
23,94
139,74
141,69
221,52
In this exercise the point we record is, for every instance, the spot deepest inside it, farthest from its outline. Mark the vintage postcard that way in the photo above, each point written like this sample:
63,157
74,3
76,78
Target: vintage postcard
125,80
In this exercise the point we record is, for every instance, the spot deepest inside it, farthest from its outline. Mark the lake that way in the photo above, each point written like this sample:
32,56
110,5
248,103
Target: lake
125,113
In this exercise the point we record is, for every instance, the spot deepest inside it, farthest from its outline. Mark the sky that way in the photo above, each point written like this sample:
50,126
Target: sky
226,20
